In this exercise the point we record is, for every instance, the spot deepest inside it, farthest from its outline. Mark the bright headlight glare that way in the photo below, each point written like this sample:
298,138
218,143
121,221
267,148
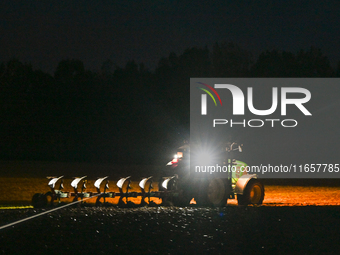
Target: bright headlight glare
204,158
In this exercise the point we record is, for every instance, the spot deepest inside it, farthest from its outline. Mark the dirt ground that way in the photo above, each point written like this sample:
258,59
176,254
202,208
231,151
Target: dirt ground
293,220
297,217
173,230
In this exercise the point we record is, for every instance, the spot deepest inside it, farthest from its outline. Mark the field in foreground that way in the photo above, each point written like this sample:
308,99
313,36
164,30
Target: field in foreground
295,219
174,230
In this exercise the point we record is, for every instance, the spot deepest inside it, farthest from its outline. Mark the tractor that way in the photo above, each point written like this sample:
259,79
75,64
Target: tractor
210,191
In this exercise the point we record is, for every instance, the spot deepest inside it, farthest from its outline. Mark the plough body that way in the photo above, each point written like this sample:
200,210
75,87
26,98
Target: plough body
79,191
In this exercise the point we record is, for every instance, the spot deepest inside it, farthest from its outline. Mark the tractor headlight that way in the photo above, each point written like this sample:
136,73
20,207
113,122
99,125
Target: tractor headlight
205,158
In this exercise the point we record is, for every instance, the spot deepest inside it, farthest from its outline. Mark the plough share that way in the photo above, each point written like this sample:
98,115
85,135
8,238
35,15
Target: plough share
167,190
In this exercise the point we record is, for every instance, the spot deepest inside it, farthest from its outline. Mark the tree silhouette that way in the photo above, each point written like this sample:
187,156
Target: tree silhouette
313,63
275,64
124,114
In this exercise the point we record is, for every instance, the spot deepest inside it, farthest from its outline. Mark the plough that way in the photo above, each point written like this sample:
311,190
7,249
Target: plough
166,191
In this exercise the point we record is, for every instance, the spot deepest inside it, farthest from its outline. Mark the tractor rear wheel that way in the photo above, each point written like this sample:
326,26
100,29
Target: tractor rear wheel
217,192
201,196
213,192
182,191
253,193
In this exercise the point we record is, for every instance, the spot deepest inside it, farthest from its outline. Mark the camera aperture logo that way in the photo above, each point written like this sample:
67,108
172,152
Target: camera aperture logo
238,105
204,98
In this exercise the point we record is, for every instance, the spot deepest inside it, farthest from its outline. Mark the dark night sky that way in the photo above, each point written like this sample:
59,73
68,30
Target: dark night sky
45,32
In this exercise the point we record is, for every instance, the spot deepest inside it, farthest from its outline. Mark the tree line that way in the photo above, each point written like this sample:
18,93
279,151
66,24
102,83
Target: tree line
124,114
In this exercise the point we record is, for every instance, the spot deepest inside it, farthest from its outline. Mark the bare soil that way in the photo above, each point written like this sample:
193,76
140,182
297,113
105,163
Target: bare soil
294,219
174,230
